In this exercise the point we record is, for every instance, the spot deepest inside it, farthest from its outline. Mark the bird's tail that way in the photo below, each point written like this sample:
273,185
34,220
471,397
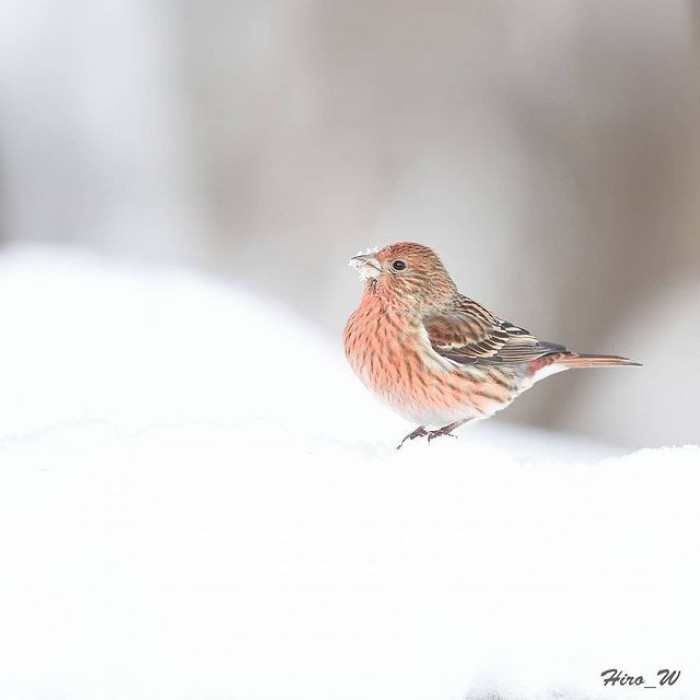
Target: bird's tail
576,359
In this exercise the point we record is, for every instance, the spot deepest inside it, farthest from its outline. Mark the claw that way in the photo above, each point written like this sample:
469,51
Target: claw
420,431
437,433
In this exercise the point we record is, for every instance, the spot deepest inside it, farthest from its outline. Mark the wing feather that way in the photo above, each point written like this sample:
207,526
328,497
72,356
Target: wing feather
468,334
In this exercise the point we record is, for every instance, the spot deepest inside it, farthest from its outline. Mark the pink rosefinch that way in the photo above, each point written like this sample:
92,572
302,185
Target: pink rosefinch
435,356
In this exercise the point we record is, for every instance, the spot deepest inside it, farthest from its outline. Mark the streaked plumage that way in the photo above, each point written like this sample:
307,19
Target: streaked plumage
435,356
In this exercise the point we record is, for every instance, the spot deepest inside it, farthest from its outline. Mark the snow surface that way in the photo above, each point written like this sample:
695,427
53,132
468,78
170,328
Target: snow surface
198,500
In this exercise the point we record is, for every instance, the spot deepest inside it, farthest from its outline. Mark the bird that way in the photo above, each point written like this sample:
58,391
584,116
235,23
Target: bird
435,356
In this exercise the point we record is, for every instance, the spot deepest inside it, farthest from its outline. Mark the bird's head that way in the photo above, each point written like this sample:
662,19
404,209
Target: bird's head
405,275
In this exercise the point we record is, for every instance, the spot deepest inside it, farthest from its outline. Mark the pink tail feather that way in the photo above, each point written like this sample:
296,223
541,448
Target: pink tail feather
575,359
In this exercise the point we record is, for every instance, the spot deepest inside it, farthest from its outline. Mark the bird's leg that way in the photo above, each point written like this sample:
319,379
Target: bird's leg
446,430
420,431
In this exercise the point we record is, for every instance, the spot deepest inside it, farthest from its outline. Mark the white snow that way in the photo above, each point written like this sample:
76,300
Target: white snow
199,500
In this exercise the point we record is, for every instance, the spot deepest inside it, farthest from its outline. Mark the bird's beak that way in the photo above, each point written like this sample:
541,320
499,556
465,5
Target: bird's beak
367,265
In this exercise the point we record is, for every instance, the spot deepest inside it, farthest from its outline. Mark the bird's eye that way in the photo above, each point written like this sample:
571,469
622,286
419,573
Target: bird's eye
399,265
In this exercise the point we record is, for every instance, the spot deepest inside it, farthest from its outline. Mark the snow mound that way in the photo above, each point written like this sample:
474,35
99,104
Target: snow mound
198,500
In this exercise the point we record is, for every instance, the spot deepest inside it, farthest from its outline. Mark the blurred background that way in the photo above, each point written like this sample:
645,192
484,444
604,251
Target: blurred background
548,150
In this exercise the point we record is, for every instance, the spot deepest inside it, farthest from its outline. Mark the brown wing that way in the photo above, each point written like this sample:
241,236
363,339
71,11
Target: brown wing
470,334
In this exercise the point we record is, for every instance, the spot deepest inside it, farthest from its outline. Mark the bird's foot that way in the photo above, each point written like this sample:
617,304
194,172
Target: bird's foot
437,433
432,434
420,431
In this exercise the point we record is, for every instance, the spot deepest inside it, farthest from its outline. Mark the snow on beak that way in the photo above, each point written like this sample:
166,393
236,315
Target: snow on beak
367,265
